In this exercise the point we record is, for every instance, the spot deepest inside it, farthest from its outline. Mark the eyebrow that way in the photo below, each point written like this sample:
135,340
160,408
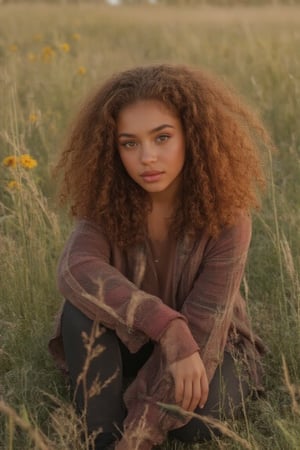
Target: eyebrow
154,130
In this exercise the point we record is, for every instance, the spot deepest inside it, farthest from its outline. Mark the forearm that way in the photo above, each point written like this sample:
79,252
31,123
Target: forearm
103,293
209,306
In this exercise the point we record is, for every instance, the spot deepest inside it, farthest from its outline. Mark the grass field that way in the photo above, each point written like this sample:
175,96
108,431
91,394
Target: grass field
50,57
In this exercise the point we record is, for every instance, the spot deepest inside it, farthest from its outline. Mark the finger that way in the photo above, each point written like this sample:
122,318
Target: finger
179,391
204,390
187,394
196,395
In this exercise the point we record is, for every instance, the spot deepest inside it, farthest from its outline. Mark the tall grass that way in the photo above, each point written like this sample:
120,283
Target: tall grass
42,81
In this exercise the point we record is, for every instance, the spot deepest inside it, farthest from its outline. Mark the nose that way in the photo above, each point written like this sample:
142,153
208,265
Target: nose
148,153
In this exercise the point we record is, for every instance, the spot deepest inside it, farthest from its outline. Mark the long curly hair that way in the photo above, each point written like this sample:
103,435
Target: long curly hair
222,174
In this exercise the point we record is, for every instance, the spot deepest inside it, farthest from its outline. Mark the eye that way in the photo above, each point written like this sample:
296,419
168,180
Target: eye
162,138
128,144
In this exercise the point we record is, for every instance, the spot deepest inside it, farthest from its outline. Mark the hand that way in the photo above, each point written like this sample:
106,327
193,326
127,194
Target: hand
189,374
191,384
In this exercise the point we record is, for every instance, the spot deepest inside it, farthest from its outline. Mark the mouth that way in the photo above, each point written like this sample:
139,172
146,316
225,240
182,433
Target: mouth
150,176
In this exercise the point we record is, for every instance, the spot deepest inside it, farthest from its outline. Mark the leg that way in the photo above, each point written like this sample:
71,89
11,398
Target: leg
104,410
226,392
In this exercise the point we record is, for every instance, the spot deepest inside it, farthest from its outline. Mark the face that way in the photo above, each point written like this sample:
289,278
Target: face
151,146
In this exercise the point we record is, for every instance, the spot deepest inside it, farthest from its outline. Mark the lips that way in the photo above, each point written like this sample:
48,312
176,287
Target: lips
150,176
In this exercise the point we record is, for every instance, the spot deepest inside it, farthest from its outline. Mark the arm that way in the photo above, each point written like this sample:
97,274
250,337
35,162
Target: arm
88,280
209,306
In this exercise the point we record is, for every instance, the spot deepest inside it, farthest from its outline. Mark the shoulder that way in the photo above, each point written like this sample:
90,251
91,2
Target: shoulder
233,240
88,228
87,235
240,230
86,225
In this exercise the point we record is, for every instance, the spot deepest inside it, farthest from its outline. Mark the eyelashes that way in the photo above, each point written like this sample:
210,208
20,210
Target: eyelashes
133,144
129,144
163,137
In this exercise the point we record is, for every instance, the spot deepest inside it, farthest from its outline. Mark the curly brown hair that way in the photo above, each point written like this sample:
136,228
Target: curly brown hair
222,174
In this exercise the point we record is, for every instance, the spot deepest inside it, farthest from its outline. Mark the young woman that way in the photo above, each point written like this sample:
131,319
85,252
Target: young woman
161,171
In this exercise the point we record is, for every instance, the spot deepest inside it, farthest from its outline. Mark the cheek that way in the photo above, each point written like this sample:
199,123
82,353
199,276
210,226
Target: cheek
122,160
181,154
122,157
127,161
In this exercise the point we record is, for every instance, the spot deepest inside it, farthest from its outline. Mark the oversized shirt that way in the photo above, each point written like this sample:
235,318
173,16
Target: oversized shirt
114,287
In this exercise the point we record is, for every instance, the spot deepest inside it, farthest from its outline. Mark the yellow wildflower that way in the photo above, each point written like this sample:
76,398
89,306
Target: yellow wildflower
81,70
76,37
13,48
47,54
27,161
31,57
13,184
10,161
64,47
33,118
38,37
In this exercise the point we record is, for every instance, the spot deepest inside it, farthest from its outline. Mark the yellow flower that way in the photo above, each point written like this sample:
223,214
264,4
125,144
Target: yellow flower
64,47
38,37
13,184
33,118
76,37
10,161
48,54
27,161
81,70
31,57
13,48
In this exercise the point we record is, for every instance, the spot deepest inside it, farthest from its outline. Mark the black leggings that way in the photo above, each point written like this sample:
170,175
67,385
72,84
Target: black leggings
106,410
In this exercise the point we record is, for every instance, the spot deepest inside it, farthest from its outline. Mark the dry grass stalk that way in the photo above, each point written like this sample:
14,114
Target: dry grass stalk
66,423
288,258
40,441
137,437
92,351
289,264
246,288
292,389
221,426
67,427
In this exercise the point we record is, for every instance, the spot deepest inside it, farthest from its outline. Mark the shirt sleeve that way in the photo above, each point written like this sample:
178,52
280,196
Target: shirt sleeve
210,304
88,280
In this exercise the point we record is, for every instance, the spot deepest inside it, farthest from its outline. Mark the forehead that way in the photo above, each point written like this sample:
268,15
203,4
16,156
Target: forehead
145,114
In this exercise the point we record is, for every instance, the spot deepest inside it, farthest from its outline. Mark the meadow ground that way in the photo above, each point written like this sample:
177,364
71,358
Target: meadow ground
50,57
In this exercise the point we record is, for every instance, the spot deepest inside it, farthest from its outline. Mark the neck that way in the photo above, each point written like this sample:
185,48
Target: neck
159,217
